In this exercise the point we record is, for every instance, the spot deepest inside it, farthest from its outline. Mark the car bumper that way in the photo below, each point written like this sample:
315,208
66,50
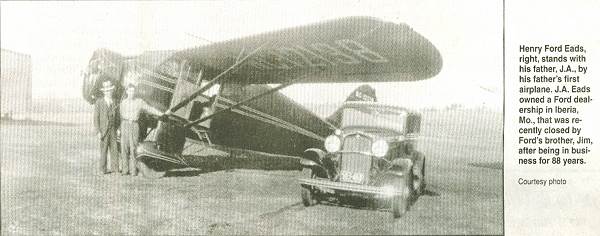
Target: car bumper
350,187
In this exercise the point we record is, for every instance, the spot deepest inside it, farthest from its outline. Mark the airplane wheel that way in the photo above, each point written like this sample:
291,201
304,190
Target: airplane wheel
400,202
149,172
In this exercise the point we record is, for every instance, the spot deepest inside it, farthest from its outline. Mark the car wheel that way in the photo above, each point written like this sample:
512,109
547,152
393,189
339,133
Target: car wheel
307,193
149,172
307,196
423,184
417,184
400,201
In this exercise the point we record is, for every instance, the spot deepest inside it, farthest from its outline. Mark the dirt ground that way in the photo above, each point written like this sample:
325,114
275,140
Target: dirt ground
50,185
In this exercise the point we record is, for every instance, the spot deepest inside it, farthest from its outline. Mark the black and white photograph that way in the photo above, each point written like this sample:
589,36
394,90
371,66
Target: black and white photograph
252,118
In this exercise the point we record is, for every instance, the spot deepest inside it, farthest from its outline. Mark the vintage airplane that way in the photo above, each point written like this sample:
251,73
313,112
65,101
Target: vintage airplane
226,111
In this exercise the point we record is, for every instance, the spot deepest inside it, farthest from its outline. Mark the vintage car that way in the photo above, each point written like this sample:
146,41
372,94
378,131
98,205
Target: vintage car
372,157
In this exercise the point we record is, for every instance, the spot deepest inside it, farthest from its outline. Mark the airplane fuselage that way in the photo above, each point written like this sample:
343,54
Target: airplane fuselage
272,124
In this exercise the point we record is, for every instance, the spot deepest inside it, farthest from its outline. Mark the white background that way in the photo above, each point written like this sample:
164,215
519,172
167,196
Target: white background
572,209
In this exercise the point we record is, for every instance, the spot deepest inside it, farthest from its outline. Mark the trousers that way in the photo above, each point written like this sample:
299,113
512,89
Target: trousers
109,142
129,141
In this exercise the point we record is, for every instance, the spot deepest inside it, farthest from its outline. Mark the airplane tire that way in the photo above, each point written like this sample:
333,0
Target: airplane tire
148,172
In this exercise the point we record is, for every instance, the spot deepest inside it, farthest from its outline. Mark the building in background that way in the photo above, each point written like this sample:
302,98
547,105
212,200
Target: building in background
15,84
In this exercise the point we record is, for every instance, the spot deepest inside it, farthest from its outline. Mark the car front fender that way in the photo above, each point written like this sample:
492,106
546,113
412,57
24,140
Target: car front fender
308,163
314,154
313,159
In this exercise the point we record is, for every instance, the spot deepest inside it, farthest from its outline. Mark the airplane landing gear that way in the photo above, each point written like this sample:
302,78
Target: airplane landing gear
149,172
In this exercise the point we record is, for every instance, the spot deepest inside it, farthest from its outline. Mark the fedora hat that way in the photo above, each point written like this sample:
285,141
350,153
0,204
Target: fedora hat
107,86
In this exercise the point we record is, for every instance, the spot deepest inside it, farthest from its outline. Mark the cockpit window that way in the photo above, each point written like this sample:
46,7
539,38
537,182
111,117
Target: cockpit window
183,69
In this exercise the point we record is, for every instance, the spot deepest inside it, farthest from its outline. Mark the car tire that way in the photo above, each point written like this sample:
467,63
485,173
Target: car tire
400,202
417,184
307,196
149,172
307,193
423,180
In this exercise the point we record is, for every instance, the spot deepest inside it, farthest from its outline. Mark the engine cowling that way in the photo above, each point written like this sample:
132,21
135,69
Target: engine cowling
104,65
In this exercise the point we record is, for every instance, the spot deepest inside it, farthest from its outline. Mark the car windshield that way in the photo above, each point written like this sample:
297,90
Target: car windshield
377,117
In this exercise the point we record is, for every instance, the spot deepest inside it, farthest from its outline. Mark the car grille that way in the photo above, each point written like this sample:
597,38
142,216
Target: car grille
354,167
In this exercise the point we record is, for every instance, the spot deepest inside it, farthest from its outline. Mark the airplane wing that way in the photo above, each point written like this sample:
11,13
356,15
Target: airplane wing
352,49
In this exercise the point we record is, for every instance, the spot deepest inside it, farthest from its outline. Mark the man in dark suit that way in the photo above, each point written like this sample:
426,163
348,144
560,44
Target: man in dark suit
106,123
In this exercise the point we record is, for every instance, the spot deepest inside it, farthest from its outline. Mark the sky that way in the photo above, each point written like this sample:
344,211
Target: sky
61,36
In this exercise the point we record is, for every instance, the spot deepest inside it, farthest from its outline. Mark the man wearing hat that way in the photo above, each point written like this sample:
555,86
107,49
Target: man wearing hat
131,108
106,123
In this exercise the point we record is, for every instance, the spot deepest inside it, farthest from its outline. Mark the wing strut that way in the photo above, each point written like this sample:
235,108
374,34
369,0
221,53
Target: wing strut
213,81
240,103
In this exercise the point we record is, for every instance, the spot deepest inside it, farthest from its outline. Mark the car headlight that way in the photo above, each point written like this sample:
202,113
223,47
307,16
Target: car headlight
379,148
333,143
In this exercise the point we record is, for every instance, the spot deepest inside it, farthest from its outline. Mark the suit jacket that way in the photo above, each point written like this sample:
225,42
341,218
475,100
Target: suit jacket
106,118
